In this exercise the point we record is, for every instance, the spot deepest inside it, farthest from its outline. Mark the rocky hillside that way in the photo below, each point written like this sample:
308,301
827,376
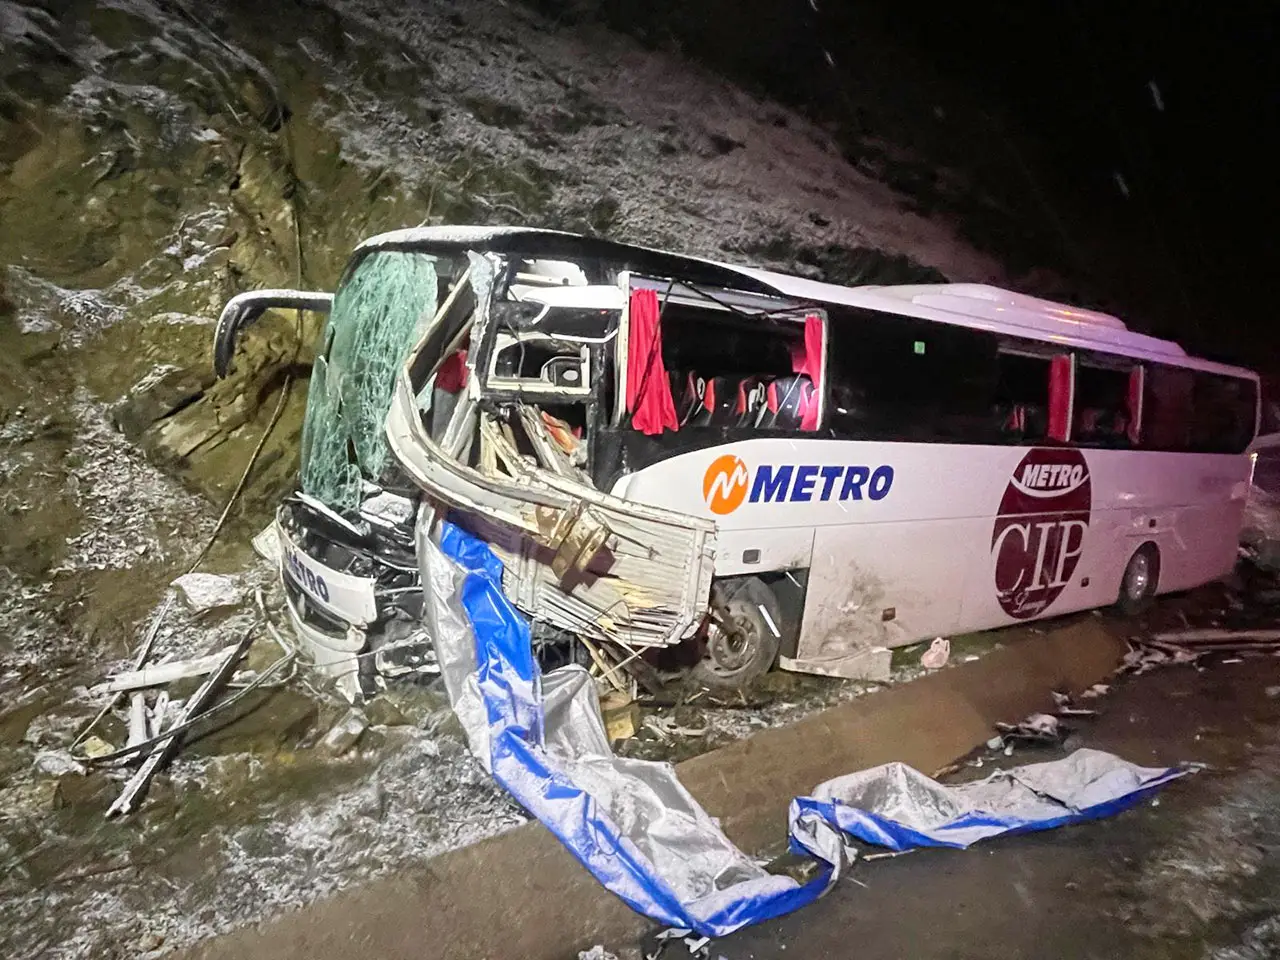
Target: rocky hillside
157,157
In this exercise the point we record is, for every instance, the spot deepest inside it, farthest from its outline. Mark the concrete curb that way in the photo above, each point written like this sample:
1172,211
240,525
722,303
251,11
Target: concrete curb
522,895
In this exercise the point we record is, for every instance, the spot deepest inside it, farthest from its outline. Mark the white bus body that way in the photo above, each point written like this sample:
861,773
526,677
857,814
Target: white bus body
837,470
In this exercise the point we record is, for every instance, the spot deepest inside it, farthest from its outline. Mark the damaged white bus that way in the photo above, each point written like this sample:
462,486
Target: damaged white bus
747,467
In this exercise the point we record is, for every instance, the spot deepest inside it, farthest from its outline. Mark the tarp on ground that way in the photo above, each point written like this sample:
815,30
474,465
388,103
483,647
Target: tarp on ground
630,822
898,807
634,826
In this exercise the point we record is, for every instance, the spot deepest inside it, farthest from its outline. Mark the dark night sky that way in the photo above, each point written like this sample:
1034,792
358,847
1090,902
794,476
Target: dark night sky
1074,75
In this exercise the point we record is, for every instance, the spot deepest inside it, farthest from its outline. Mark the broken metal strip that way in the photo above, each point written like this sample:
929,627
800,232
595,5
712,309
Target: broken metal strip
165,750
138,661
461,487
547,451
163,673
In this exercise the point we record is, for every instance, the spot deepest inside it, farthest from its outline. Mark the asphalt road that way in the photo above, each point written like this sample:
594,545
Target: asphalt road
1193,873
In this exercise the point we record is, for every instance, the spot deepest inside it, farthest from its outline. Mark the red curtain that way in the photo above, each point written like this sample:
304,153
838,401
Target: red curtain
1134,403
1060,377
808,362
648,387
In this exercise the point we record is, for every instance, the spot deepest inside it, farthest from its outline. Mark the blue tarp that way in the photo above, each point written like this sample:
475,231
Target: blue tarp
668,860
898,807
633,825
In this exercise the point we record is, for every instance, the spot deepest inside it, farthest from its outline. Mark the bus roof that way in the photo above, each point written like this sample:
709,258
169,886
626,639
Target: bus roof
975,305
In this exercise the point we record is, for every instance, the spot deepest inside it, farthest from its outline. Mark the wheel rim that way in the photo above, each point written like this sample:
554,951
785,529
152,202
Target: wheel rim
730,651
1139,578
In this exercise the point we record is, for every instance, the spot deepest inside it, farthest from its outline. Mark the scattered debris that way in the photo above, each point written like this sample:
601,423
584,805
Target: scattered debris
1144,656
1217,638
935,658
163,751
596,953
95,747
667,728
887,855
621,715
346,733
896,806
164,673
209,591
58,763
1037,728
137,720
267,545
1273,692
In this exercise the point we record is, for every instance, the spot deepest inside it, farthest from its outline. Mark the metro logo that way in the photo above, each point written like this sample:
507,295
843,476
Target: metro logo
1056,478
725,484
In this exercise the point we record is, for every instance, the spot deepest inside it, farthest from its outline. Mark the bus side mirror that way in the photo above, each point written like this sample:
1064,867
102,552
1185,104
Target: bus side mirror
245,308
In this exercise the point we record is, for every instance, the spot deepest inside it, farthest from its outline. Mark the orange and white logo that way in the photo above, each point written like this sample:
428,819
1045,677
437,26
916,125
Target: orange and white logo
724,486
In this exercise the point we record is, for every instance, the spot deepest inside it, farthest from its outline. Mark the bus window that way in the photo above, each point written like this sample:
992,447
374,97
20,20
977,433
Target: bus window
898,378
728,369
1021,407
1166,409
1224,413
1101,404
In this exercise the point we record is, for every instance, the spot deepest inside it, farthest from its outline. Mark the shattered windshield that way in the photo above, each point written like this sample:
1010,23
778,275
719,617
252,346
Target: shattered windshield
378,313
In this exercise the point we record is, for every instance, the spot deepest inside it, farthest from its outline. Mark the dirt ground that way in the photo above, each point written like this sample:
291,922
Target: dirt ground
1194,873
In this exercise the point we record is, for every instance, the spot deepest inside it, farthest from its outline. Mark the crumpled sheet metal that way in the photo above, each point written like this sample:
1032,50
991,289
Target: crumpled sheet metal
898,807
630,822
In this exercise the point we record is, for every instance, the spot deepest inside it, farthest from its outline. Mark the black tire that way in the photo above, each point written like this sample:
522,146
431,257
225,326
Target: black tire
1139,582
735,657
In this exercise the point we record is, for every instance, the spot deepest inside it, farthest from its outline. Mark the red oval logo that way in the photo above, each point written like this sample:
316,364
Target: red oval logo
1040,529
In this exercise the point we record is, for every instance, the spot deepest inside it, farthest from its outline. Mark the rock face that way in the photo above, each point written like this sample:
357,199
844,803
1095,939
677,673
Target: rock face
155,160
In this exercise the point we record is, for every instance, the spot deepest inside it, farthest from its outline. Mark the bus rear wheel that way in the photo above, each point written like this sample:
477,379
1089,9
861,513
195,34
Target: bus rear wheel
742,637
1140,580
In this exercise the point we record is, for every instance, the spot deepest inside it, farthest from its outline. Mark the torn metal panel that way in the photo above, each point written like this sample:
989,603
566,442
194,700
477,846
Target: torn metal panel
582,560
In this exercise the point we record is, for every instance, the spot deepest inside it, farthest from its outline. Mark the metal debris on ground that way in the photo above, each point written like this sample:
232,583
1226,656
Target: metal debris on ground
1217,639
935,658
668,944
1037,728
163,673
152,735
667,728
163,752
1144,656
596,953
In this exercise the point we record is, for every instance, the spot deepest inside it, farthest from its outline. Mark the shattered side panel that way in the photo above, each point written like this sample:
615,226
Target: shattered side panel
581,560
646,585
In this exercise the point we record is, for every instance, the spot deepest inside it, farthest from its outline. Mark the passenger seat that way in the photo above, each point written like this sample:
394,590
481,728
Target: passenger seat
787,400
691,401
